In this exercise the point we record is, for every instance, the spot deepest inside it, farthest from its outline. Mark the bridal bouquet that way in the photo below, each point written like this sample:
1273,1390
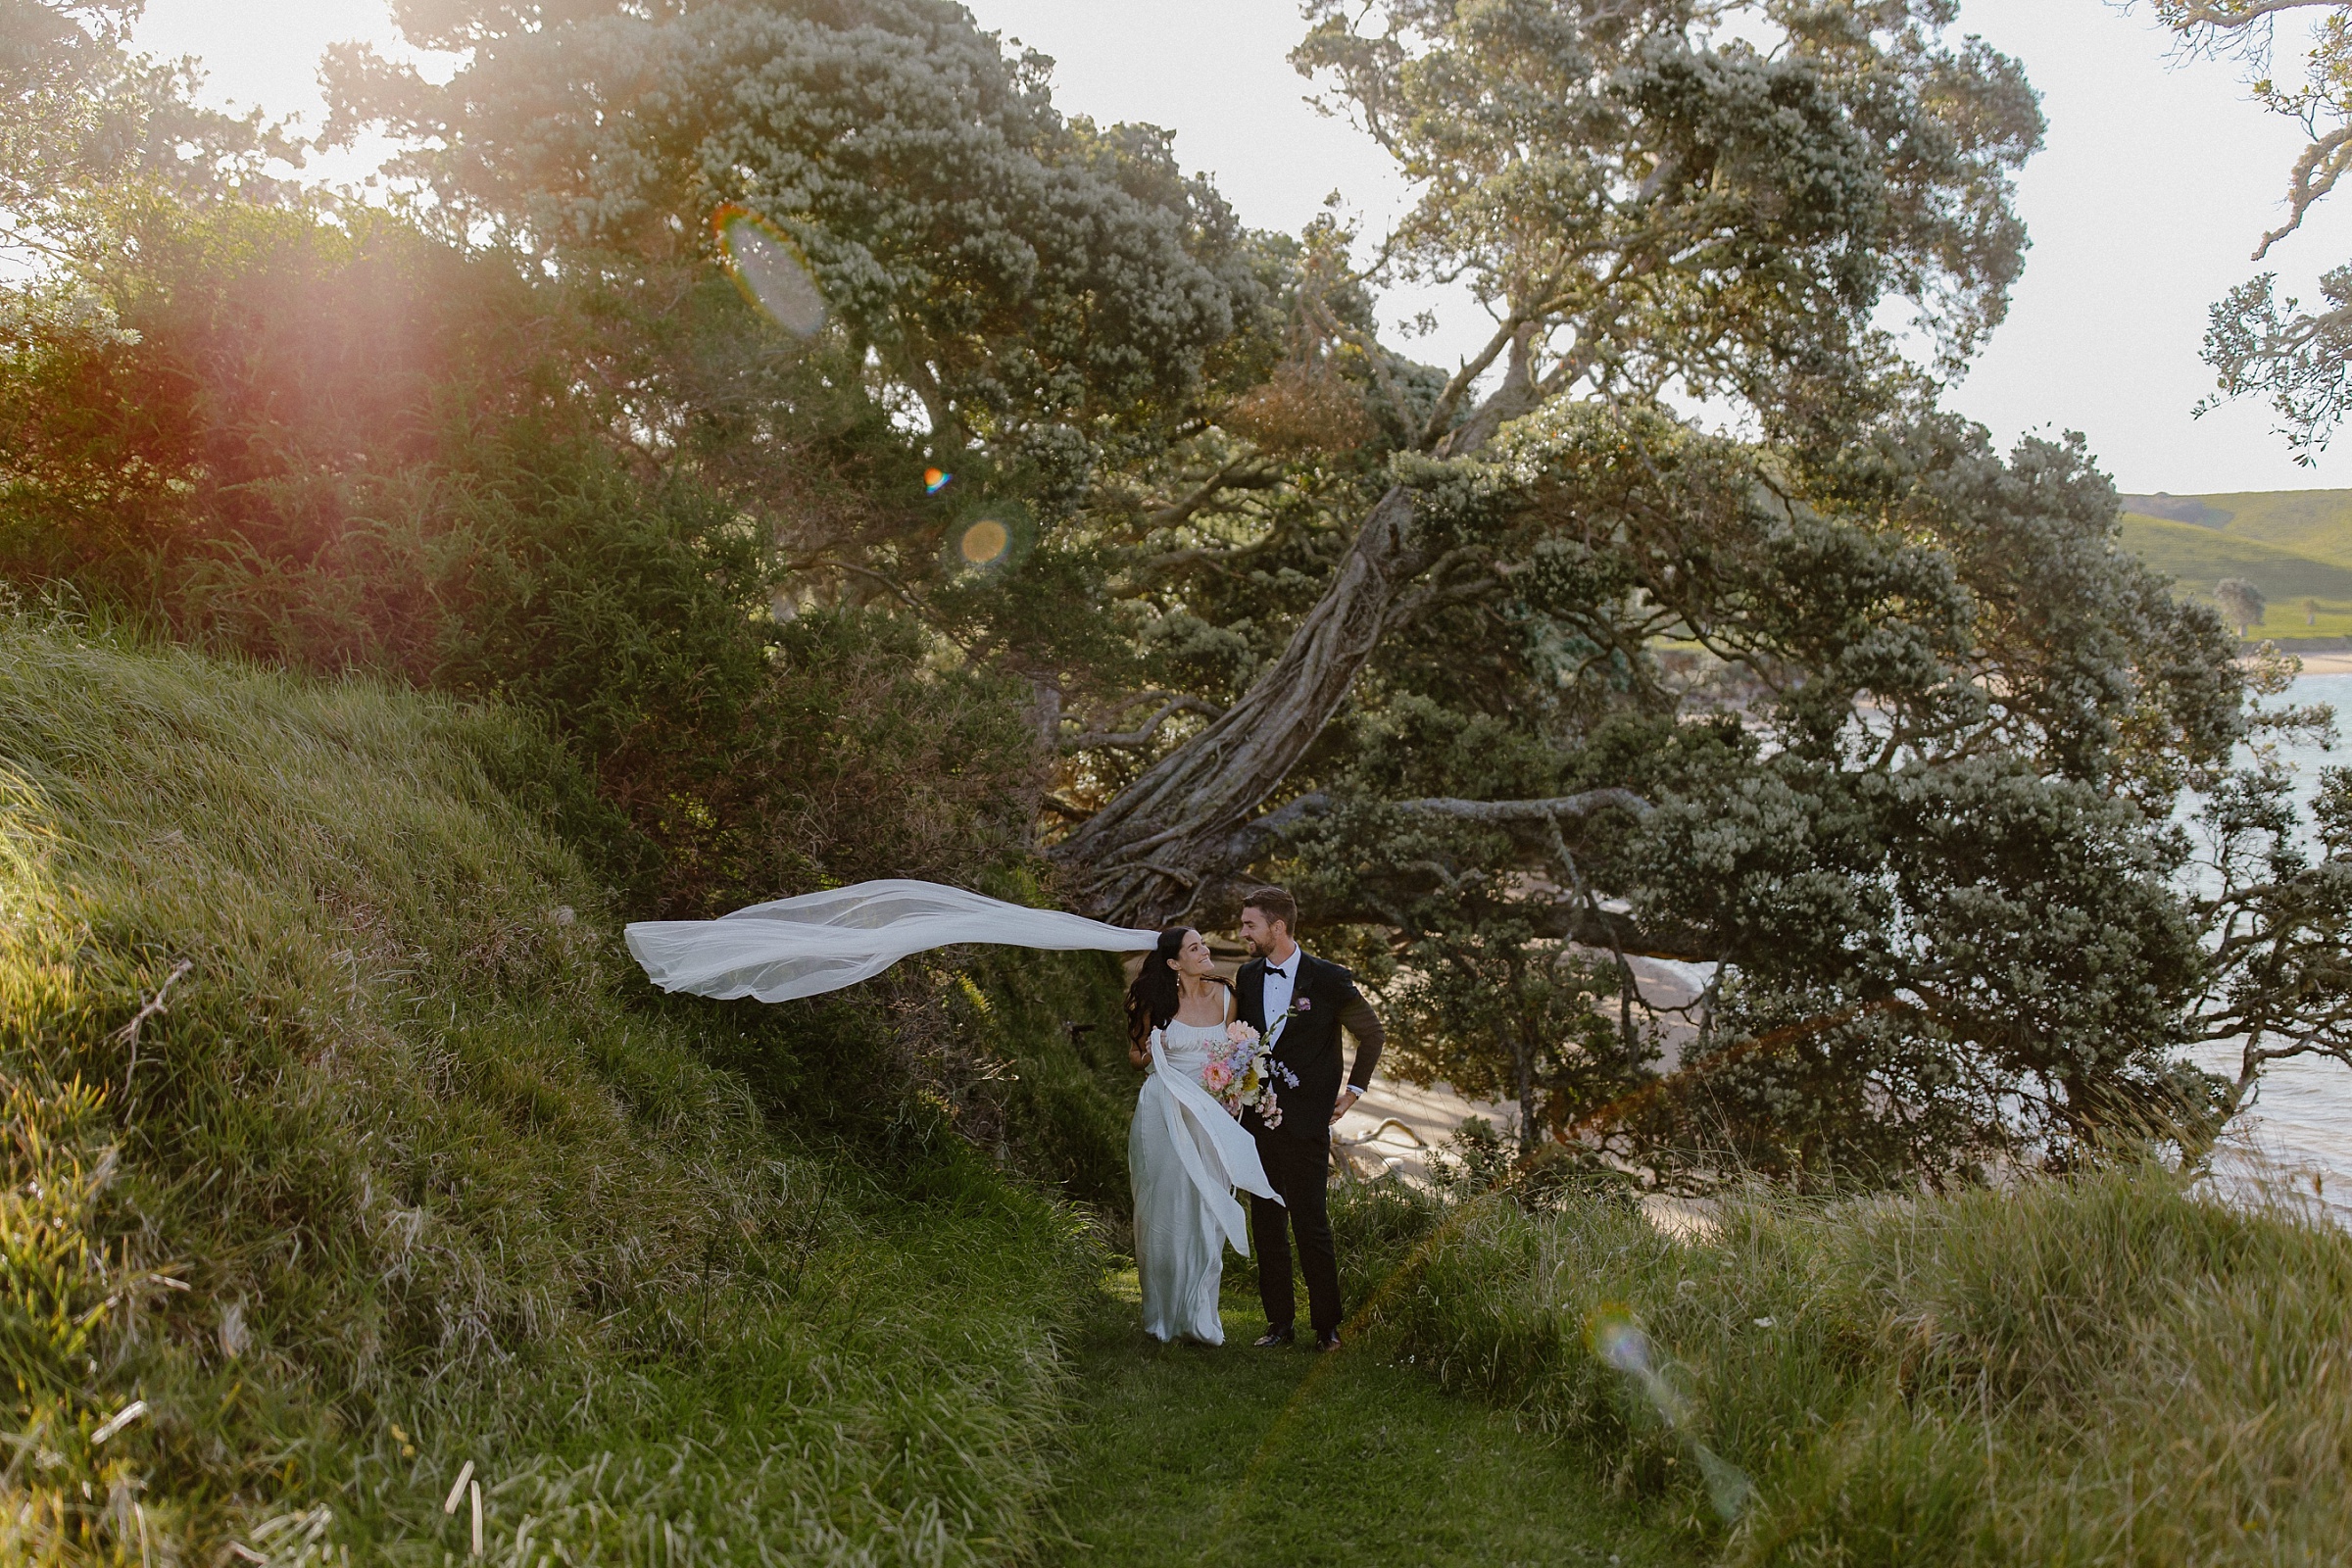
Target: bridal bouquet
1240,1075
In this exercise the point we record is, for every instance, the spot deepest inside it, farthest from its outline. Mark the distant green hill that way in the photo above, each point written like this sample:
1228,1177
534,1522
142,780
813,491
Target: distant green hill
2310,522
2295,545
2199,558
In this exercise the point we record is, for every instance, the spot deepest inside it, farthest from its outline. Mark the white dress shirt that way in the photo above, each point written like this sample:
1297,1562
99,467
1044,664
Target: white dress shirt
1282,982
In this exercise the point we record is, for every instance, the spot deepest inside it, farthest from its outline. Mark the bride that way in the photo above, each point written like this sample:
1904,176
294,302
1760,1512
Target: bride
1184,1151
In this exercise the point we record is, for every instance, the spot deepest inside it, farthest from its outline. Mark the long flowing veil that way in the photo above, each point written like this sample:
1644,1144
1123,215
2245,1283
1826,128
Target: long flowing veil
824,941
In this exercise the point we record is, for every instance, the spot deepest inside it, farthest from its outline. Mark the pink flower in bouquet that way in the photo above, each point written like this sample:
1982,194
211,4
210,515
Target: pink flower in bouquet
1240,1034
1216,1077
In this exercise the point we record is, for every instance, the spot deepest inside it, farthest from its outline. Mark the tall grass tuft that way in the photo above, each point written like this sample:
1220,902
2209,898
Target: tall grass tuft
2105,1369
344,1149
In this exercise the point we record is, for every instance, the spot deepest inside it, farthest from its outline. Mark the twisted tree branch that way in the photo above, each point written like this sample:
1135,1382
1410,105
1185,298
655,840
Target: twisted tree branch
1093,740
1578,806
1241,473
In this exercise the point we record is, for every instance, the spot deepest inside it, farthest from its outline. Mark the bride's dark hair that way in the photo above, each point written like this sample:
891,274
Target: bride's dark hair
1152,999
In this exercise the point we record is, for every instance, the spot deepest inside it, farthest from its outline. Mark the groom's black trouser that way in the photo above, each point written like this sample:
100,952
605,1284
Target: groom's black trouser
1300,1171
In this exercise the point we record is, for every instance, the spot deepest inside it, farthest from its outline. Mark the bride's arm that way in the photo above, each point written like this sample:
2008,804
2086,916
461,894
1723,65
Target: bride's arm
1139,1052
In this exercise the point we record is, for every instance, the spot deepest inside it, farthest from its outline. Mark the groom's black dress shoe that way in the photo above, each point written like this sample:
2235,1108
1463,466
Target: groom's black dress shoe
1328,1341
1274,1339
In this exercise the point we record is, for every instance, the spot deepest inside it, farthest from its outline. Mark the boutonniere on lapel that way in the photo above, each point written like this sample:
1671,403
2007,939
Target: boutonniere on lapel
1300,1007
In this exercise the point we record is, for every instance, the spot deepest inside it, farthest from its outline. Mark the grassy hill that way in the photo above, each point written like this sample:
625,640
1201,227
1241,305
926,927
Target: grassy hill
2295,545
344,1149
2310,522
2198,558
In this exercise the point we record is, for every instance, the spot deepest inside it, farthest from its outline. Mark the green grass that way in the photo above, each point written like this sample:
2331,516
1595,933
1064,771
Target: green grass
2295,545
1187,1455
2201,557
2097,1371
2316,524
409,1168
2197,557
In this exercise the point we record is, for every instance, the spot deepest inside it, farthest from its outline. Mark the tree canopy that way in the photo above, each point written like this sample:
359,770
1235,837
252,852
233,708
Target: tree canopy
2260,343
1032,283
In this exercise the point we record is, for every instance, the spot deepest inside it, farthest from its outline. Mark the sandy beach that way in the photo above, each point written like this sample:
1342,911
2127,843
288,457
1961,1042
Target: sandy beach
2327,664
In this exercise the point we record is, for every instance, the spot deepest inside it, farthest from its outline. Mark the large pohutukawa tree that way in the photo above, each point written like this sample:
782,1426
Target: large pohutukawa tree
1025,301
1652,198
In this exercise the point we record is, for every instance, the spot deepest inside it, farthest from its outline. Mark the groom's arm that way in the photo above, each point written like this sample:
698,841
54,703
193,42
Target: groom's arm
1358,1019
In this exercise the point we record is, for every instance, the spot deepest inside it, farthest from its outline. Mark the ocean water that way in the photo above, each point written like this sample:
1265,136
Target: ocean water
2296,1137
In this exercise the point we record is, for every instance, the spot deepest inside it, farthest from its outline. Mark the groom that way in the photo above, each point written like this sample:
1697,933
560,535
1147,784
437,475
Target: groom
1312,1001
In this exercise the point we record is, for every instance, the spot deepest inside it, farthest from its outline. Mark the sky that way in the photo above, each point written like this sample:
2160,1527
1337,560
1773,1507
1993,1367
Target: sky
2156,179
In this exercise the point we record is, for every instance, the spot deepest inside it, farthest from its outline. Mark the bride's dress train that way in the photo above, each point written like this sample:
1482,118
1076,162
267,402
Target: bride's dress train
1186,1155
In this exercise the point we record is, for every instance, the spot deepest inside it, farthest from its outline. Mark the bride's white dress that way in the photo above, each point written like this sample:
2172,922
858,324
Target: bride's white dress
1185,1156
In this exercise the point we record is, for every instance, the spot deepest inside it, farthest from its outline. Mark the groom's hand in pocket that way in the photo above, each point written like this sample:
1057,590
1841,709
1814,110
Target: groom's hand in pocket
1347,1099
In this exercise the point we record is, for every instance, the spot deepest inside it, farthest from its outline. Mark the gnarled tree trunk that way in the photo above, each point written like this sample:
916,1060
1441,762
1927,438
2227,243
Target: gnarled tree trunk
1146,857
1172,835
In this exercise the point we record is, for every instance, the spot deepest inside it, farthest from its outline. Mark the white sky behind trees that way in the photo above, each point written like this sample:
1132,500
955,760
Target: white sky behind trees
2156,180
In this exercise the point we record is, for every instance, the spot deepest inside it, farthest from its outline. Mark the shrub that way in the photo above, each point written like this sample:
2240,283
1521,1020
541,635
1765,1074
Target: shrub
354,448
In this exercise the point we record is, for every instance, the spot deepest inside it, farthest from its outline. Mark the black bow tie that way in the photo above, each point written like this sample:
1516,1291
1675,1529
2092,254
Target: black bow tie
1279,974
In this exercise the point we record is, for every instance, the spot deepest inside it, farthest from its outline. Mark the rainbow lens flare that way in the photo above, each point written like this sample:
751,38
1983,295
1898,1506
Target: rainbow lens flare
770,271
984,542
987,535
936,480
1620,1343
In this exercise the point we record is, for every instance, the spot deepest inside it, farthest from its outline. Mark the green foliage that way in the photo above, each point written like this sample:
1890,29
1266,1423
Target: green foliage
1914,726
92,126
2241,601
2274,910
1649,198
1501,1015
1481,990
1930,851
1908,732
352,448
1989,1377
403,1170
2260,344
1025,278
1636,171
1847,1039
1062,1110
1033,304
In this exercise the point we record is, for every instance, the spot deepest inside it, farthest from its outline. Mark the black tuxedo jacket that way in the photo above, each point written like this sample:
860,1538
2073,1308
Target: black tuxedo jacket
1310,1046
